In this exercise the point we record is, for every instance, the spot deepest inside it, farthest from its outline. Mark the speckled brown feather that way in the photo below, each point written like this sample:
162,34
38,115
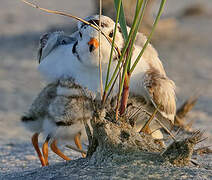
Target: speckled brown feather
66,108
161,90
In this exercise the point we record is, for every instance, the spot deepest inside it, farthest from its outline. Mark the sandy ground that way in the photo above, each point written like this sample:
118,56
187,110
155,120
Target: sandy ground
186,52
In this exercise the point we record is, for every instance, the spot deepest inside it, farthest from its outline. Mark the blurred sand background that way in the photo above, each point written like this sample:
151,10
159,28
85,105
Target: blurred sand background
185,49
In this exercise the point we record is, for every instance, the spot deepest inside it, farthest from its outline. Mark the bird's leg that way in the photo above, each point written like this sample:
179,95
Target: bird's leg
78,143
57,151
36,146
45,150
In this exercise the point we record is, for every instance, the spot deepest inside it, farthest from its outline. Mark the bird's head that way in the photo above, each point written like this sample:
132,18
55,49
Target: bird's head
88,42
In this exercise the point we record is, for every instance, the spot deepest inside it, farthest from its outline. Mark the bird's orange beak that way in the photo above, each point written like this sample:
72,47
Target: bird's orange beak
94,42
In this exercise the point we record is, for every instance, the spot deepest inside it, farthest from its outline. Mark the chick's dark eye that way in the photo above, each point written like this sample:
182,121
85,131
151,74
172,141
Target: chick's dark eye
111,34
80,34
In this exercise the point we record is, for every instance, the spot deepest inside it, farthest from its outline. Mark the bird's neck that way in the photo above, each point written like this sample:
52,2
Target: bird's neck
88,77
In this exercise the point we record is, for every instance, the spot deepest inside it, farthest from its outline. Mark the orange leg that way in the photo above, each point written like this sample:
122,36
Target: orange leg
36,146
57,151
45,150
78,143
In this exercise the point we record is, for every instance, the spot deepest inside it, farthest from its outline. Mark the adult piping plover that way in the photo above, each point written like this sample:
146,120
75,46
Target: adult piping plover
81,61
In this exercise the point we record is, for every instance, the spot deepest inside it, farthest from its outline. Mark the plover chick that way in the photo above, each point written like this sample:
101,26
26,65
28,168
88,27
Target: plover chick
59,112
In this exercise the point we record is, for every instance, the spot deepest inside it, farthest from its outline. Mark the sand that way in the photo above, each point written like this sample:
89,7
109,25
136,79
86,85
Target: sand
186,54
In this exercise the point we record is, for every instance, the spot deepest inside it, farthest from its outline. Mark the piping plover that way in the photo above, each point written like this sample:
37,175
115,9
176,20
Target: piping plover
81,61
58,112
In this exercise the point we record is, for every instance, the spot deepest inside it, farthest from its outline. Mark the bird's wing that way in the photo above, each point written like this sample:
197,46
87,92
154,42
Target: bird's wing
49,41
161,92
150,54
140,38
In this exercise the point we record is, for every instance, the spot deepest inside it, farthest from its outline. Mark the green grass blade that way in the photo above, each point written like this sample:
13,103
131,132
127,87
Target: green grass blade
150,36
113,41
139,4
122,20
136,23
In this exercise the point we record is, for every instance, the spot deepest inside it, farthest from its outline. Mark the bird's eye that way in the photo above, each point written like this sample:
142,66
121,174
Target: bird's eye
80,34
111,34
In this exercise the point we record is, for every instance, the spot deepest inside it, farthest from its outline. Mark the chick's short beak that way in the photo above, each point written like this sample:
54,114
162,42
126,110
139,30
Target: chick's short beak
93,44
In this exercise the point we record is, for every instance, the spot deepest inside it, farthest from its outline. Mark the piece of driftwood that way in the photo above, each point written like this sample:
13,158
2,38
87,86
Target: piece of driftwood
117,141
183,110
180,152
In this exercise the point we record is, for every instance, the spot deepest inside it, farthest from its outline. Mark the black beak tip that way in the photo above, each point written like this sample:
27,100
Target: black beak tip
91,48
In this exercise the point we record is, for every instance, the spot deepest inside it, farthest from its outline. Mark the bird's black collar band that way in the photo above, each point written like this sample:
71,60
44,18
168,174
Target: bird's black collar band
74,51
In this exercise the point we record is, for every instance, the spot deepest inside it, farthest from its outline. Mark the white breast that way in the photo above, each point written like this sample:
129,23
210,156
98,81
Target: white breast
60,63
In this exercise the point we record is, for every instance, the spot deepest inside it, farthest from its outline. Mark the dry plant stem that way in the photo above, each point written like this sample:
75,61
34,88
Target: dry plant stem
163,126
201,140
104,98
203,150
124,84
136,112
89,133
166,129
186,107
182,112
194,162
76,149
140,108
74,17
100,64
117,110
125,94
146,125
59,13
